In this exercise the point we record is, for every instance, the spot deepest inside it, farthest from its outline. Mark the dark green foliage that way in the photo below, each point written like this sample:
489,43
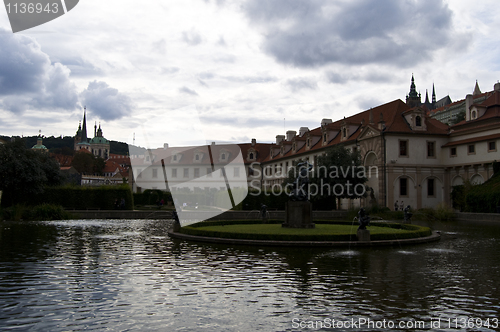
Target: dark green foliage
38,212
460,117
25,173
82,198
151,196
484,198
255,198
119,148
496,167
87,163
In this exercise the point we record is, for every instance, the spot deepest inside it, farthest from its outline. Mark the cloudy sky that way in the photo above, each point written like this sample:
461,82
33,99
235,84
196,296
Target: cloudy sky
237,70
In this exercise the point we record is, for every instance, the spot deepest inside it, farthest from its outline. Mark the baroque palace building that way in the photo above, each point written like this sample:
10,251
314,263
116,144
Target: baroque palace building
408,156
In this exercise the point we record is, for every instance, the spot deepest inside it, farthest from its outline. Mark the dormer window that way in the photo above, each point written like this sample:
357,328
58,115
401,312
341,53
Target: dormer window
175,158
223,156
344,132
473,115
308,142
251,156
418,121
324,138
197,157
293,146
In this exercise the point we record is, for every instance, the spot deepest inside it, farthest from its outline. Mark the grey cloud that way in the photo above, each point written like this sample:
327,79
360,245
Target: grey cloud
168,70
318,32
188,91
106,102
160,46
372,76
250,79
297,84
81,67
29,80
221,41
206,75
191,37
203,83
367,103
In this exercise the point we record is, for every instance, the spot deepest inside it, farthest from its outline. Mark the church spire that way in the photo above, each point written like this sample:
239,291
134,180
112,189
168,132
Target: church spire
413,98
84,127
433,94
426,98
477,91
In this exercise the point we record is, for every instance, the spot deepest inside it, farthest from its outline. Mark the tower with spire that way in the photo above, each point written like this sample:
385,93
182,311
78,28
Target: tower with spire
98,146
413,98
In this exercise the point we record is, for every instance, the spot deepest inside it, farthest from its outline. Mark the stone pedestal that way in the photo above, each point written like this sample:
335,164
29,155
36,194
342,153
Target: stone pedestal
363,235
298,215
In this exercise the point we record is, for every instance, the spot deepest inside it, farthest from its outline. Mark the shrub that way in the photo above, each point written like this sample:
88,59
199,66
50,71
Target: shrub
39,212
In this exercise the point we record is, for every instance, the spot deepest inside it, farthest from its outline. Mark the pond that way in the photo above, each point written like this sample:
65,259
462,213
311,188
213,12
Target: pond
119,275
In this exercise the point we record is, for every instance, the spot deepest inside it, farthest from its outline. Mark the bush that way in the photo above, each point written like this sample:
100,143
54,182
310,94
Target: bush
82,198
38,212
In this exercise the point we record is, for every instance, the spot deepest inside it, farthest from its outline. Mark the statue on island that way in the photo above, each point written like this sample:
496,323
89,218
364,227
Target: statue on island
300,185
408,215
363,219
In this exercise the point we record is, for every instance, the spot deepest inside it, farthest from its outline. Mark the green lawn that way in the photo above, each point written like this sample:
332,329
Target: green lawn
321,229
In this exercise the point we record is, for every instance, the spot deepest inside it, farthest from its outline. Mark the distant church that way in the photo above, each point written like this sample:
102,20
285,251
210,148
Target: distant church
98,146
413,99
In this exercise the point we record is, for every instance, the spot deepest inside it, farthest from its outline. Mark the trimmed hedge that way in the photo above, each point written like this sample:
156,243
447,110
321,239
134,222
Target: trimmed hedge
83,198
411,231
484,198
38,212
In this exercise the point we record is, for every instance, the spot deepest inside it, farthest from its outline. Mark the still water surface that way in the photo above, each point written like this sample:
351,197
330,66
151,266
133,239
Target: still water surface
128,275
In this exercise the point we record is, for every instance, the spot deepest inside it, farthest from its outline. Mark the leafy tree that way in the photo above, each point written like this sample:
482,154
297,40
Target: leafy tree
460,117
25,173
87,163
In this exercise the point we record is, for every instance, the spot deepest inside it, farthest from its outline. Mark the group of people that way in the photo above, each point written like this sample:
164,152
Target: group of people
119,204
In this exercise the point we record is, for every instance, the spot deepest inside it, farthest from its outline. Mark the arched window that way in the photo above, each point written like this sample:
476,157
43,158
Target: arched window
344,132
223,156
197,157
251,155
418,121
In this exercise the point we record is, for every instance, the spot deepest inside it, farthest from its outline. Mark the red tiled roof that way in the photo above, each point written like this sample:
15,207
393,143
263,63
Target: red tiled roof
472,140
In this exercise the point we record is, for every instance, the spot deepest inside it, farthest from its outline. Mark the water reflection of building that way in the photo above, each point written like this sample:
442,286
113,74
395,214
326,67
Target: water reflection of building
408,155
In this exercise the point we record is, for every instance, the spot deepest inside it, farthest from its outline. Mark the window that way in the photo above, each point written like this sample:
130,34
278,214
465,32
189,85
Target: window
418,121
403,148
196,172
175,157
155,173
344,132
251,156
431,150
223,156
197,157
186,172
453,152
403,187
308,142
236,172
209,172
324,138
430,187
472,149
492,146
174,172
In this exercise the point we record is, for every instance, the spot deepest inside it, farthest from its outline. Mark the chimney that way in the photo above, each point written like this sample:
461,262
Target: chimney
496,87
469,100
254,141
290,135
213,143
165,146
324,122
279,138
302,131
381,123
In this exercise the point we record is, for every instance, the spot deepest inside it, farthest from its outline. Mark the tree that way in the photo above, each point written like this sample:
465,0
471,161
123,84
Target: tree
459,117
87,163
337,174
25,173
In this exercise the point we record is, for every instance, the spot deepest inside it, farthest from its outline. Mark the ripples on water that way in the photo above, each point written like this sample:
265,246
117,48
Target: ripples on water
128,275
